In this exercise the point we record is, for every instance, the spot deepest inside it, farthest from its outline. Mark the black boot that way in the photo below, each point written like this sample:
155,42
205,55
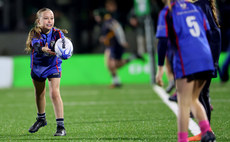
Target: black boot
41,122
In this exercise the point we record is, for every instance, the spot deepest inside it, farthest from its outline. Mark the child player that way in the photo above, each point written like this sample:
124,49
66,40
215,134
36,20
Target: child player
46,65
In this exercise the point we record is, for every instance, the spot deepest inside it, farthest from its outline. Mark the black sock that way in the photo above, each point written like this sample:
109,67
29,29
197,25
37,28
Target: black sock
60,122
42,115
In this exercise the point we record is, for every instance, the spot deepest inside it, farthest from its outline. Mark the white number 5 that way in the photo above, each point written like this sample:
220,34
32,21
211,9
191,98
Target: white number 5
193,25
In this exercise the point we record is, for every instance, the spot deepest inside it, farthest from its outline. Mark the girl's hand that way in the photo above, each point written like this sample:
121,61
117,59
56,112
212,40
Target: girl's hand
159,76
46,49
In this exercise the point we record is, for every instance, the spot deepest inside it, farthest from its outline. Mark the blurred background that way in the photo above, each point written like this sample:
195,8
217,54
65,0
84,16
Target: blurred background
137,17
17,18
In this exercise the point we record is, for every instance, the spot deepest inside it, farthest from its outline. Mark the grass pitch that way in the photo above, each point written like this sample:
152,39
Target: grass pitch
97,113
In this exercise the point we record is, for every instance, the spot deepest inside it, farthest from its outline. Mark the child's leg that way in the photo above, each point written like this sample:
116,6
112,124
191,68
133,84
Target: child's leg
197,107
41,103
40,91
54,88
54,85
184,91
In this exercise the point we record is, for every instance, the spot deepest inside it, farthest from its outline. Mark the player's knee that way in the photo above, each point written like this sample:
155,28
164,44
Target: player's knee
40,94
54,94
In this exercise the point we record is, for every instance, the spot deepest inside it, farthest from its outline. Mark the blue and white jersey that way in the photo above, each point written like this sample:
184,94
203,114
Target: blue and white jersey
186,27
43,64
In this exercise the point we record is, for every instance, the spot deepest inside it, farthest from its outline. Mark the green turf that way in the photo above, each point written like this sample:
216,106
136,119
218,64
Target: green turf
97,113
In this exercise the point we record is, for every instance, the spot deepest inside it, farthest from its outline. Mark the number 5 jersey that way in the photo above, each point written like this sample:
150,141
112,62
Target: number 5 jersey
185,26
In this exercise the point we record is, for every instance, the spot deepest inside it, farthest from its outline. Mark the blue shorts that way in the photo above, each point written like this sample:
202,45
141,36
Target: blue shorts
116,52
41,79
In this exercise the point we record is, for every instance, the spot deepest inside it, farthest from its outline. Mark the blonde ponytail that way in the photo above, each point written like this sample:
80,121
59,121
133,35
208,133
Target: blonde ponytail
169,4
214,11
34,33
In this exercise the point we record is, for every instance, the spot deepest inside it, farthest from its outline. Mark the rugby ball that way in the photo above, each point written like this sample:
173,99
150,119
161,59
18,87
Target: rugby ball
63,48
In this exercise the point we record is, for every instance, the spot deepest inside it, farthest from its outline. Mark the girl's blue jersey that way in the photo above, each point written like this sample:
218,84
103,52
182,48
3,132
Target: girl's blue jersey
44,64
185,25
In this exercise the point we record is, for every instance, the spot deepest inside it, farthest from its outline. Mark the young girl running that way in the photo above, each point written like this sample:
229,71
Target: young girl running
185,26
45,64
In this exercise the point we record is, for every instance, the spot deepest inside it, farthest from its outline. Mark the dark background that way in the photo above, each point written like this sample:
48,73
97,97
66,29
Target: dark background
17,18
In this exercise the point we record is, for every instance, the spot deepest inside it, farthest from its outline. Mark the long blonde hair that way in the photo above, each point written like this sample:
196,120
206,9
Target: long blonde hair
35,32
214,11
169,4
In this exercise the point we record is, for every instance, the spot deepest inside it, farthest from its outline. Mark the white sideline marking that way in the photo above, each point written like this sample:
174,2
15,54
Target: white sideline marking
193,127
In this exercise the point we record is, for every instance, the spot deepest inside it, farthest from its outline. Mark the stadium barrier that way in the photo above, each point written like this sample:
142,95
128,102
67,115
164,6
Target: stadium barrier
80,69
84,69
6,72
